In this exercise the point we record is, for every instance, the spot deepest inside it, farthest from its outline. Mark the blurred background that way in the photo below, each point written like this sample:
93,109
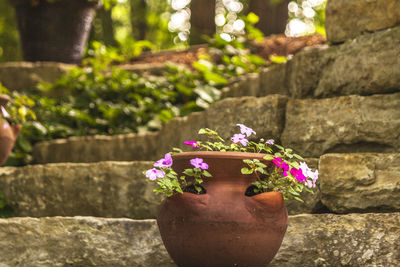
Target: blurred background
167,24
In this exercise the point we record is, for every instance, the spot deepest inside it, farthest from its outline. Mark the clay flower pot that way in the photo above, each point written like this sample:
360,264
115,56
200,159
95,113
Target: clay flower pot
54,30
222,227
8,134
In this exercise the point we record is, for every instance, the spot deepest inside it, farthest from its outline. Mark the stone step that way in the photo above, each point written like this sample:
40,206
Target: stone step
311,240
103,189
348,182
364,65
312,127
347,19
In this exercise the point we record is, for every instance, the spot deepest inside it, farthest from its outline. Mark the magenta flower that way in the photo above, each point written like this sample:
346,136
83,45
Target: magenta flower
298,174
285,168
246,130
240,138
191,143
270,142
153,174
198,163
277,161
165,162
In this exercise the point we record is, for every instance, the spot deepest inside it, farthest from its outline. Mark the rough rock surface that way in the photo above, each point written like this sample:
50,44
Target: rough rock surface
369,64
341,240
360,182
81,241
245,85
265,115
346,19
25,75
311,240
97,148
105,189
343,124
366,65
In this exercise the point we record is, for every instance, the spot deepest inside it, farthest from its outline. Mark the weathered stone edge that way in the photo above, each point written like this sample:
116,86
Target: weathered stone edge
359,239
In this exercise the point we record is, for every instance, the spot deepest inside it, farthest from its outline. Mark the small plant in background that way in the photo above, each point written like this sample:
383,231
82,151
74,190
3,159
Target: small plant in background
281,171
20,111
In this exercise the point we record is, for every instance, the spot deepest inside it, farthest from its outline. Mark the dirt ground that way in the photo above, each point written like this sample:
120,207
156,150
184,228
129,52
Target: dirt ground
278,45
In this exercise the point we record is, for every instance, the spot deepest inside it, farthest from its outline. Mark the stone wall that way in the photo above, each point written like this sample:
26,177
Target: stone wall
311,240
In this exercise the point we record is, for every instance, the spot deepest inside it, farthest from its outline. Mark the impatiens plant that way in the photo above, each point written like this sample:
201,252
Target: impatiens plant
281,170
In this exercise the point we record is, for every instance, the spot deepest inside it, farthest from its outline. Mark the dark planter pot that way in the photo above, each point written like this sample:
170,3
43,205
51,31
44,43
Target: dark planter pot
223,227
55,31
8,134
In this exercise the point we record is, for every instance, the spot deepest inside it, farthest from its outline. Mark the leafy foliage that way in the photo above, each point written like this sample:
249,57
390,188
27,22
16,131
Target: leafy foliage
100,97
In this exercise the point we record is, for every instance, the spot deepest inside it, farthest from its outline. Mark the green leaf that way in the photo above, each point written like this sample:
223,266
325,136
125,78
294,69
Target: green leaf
252,18
189,172
215,78
299,199
247,171
298,157
248,161
206,173
268,157
277,59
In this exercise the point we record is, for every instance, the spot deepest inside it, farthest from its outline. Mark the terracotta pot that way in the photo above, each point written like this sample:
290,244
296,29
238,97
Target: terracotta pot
8,134
56,31
223,227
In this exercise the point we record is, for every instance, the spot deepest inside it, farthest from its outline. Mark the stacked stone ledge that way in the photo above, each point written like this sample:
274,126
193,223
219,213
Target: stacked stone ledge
358,182
311,240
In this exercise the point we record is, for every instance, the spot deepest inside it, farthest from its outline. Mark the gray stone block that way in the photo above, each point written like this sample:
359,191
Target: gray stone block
346,124
311,240
25,75
346,19
106,189
360,182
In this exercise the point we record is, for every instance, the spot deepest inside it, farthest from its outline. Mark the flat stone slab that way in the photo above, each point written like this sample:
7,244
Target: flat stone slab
81,241
105,189
360,182
127,147
25,75
346,19
264,114
367,65
311,240
341,240
347,124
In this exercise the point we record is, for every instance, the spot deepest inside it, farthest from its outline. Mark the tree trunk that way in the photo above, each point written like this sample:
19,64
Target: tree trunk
273,17
107,27
138,16
202,20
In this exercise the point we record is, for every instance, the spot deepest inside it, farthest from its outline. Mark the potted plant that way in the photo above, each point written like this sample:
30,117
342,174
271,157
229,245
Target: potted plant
224,204
54,30
8,133
14,111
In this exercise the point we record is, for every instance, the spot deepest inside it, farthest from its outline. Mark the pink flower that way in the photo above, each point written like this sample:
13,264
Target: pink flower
198,163
153,174
165,162
240,138
191,143
246,130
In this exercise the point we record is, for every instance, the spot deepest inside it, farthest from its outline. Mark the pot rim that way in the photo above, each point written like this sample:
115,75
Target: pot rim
219,154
